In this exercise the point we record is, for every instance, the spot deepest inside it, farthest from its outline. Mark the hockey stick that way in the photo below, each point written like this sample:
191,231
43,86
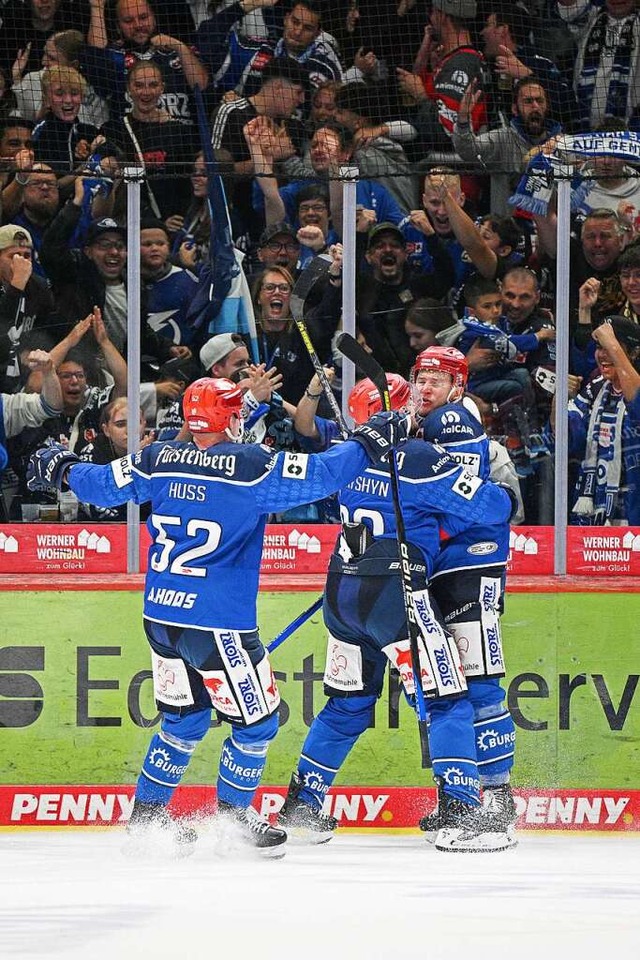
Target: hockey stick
370,367
305,281
293,626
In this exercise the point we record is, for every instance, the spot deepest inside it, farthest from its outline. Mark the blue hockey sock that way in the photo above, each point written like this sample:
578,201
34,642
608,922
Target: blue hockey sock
495,731
242,761
162,769
453,748
495,746
331,736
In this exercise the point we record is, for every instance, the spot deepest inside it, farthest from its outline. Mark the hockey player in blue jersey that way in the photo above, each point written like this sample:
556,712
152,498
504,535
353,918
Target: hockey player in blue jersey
468,578
210,498
366,621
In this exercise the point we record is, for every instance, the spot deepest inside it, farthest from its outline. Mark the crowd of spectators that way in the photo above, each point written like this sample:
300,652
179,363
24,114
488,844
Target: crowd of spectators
441,107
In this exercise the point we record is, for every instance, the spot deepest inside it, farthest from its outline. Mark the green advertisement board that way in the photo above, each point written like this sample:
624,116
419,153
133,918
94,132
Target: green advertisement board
76,699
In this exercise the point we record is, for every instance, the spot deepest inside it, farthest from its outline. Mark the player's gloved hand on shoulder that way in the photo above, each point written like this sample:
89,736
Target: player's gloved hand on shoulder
381,433
48,467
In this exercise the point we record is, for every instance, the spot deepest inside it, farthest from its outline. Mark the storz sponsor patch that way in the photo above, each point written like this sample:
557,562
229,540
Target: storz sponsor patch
122,471
294,466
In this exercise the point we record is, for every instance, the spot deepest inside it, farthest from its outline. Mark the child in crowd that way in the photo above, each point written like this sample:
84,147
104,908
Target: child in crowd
484,335
60,138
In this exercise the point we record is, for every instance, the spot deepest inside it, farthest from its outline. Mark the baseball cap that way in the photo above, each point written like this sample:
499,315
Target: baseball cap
279,229
385,227
105,225
219,347
627,332
460,9
11,235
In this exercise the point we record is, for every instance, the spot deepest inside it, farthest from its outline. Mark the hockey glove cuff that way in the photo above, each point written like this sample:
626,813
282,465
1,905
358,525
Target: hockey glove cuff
48,467
381,433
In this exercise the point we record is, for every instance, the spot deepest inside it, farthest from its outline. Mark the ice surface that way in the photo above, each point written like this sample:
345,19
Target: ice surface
72,894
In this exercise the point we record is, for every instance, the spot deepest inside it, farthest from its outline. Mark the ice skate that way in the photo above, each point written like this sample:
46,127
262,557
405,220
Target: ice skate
255,832
499,802
304,823
467,828
151,824
431,823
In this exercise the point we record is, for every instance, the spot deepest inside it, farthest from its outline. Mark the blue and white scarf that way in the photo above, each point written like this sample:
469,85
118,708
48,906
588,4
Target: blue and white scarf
535,189
598,484
618,88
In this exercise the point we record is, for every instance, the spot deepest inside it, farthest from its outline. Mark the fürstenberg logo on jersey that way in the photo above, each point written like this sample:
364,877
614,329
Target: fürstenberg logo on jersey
280,549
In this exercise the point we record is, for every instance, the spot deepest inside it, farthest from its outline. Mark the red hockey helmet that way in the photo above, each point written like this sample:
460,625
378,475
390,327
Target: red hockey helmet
364,399
209,404
448,360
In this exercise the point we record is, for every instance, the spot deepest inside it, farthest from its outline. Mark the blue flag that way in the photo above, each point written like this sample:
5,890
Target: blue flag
222,303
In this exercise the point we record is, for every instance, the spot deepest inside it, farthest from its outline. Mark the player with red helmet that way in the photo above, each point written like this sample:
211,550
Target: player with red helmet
211,497
365,400
468,576
214,405
441,375
365,617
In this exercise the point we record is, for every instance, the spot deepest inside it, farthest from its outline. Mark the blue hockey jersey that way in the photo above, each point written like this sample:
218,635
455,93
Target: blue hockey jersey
435,491
209,512
461,434
168,301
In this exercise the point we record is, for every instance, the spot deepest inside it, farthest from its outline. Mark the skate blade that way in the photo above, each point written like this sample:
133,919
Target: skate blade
457,840
300,837
271,853
231,843
430,836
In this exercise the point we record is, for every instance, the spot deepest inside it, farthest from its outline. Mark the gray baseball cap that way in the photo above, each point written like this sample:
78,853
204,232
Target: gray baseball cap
219,347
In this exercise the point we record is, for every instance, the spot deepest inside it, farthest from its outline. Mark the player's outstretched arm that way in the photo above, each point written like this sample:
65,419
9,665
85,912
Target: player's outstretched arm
298,478
104,485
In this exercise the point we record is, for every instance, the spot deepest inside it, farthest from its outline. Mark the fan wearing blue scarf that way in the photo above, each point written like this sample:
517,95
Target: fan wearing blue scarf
607,68
604,429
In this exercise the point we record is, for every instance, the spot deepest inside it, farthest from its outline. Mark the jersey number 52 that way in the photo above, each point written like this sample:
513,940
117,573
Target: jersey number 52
179,557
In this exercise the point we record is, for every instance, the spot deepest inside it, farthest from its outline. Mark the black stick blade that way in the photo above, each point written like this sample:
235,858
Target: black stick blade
366,364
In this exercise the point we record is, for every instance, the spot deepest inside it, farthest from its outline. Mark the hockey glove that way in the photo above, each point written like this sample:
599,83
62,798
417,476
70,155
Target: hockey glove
48,466
381,433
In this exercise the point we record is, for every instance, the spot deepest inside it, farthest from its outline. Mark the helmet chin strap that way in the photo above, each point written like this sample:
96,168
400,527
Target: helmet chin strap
454,395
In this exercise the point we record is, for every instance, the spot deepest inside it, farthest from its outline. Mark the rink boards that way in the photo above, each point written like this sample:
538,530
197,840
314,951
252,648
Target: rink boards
76,706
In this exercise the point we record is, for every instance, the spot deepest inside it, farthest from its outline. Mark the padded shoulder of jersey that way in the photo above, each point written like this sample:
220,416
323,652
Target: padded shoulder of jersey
451,423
